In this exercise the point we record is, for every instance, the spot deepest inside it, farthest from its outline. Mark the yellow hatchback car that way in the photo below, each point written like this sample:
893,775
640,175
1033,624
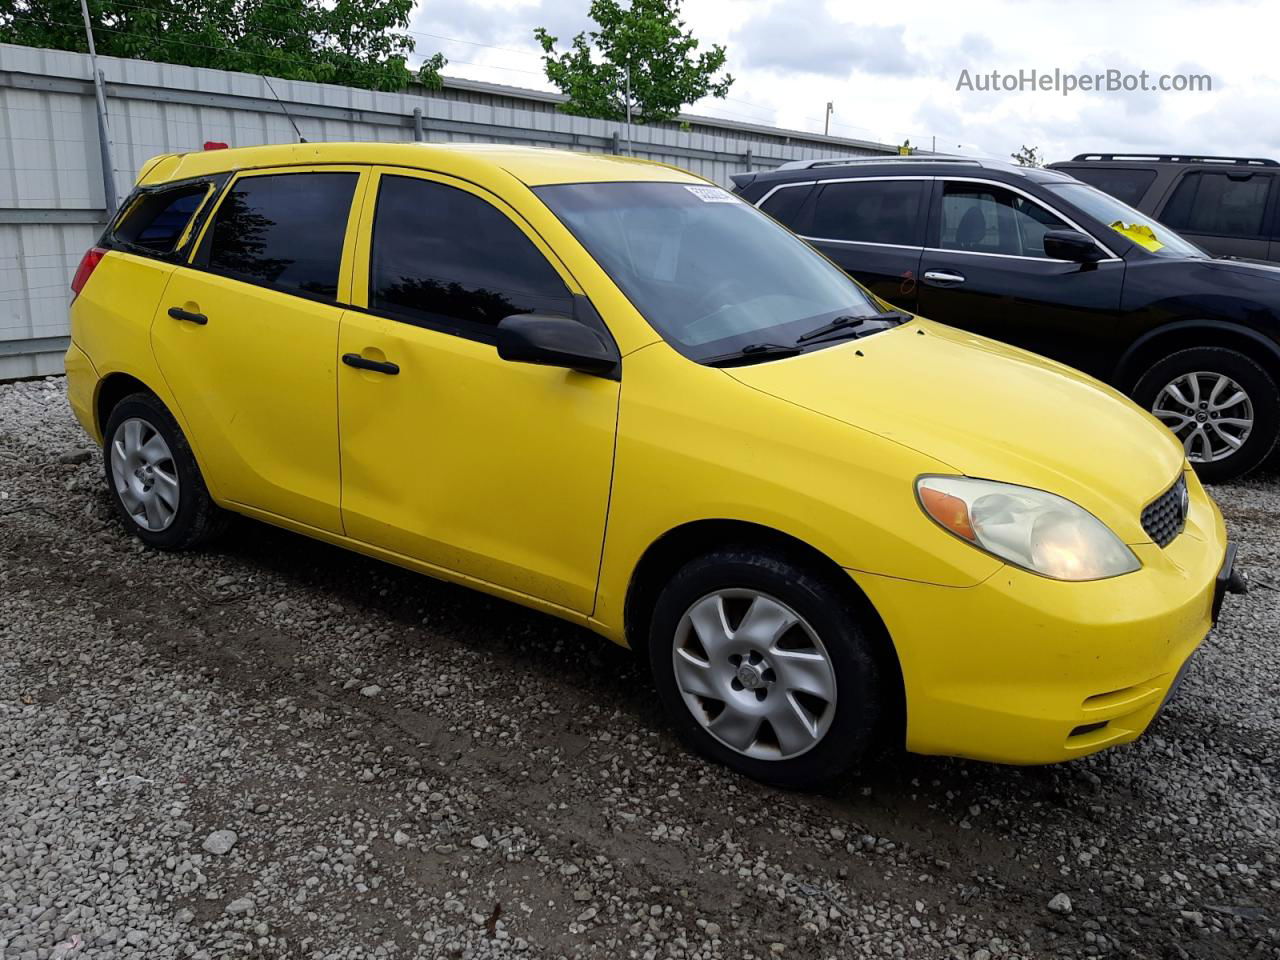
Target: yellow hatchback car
611,391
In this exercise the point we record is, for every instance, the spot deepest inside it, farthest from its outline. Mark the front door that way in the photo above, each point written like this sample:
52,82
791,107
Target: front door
246,336
494,470
985,270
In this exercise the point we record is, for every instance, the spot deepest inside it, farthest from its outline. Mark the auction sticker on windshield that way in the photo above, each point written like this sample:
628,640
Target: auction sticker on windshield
712,194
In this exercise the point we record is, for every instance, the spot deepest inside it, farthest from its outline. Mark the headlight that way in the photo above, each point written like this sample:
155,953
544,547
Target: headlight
1033,529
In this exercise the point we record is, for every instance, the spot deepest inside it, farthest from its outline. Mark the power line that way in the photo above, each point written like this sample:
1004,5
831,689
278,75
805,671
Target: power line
280,58
284,58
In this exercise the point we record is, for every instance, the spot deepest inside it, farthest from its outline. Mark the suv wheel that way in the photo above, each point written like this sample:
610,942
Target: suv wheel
1222,406
153,477
764,666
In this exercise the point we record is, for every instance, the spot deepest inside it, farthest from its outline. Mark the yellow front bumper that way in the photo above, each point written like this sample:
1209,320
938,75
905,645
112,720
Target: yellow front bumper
1022,669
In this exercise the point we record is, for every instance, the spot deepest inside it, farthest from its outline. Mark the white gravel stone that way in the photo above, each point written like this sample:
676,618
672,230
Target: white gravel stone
219,842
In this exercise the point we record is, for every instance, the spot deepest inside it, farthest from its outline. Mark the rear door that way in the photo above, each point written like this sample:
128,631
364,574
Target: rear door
1225,211
985,270
874,228
246,336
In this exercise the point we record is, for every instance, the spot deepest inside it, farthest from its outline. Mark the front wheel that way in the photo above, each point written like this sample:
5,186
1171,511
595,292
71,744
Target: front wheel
1222,406
767,667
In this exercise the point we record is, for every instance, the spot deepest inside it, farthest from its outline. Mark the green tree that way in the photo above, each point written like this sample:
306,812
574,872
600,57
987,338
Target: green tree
357,43
1028,157
667,71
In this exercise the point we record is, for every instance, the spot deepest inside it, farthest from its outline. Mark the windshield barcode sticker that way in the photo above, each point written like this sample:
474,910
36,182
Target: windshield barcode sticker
712,194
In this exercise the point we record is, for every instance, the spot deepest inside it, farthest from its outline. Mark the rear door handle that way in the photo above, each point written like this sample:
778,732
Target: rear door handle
944,278
179,314
364,363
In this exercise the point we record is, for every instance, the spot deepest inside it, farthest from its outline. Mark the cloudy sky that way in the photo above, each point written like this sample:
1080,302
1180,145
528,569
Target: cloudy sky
891,70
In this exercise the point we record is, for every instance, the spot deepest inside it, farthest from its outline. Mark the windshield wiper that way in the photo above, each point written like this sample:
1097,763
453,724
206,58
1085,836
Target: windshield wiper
860,325
751,353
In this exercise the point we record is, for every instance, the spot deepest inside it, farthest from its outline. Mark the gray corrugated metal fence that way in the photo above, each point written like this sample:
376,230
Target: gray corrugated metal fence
51,178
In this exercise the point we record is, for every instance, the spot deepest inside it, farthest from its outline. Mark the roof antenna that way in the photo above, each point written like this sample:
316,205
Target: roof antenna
283,108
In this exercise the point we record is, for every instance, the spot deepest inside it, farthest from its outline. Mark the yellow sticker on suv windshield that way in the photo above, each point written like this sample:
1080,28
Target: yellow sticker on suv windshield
1139,233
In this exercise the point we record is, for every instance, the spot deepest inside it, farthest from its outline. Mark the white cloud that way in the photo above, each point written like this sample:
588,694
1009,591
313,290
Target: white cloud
891,70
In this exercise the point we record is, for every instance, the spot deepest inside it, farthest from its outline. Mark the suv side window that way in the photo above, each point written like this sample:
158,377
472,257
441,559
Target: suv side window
983,218
283,230
444,258
871,211
156,219
1229,205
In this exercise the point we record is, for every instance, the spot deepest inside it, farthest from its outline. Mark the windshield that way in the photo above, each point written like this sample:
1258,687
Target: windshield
1151,235
710,272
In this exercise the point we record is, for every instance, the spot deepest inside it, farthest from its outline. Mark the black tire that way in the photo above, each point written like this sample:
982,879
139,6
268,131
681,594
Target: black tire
196,519
1263,394
861,702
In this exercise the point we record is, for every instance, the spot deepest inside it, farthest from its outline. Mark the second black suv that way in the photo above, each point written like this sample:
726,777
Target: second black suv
1036,258
1228,205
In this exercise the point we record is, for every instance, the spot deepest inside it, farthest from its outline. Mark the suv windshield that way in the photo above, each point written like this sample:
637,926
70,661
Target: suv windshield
1151,235
710,272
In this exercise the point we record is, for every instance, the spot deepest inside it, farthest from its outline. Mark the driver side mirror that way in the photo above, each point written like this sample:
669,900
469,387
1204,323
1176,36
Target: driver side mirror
1071,245
557,341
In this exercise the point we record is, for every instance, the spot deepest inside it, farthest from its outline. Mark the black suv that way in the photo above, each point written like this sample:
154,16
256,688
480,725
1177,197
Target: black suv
1228,205
1036,258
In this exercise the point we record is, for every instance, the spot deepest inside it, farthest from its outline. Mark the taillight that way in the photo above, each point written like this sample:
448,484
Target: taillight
92,257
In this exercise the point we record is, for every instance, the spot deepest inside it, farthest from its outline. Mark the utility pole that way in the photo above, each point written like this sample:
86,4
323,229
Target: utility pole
826,124
626,73
104,132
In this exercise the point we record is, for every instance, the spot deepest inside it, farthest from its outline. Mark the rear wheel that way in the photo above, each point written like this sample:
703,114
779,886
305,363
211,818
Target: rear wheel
766,667
154,481
1223,406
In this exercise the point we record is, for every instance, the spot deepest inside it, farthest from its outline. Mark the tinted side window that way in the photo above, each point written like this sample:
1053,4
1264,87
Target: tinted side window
875,211
784,206
156,219
984,219
1219,203
1127,186
448,258
284,230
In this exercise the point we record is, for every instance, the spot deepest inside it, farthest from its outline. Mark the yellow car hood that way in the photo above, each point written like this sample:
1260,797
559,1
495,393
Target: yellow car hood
988,410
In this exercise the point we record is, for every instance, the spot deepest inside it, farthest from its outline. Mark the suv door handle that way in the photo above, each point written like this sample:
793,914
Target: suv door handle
363,363
944,278
179,314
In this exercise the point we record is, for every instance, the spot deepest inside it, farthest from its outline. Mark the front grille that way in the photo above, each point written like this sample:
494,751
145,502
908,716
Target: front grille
1164,517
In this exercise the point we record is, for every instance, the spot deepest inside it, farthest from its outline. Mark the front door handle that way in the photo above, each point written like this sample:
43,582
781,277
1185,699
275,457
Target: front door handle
179,314
945,278
364,363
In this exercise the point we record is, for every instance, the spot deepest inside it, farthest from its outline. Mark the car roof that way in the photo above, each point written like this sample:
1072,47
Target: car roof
1161,160
481,162
919,165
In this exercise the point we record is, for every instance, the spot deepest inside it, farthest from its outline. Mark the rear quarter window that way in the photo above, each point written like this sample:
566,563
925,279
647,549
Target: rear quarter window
156,220
785,204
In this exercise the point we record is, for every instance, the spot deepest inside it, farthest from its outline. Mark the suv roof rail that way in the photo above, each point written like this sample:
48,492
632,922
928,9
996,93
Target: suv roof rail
850,161
1178,158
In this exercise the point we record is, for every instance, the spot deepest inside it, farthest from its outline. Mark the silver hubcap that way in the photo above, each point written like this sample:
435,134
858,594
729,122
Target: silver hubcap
145,475
1209,412
754,674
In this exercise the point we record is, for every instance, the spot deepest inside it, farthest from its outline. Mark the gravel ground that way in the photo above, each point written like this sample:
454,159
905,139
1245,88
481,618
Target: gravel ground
276,749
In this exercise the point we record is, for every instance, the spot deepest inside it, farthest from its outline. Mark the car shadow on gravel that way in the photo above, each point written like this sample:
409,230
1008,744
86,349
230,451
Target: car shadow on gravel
583,666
